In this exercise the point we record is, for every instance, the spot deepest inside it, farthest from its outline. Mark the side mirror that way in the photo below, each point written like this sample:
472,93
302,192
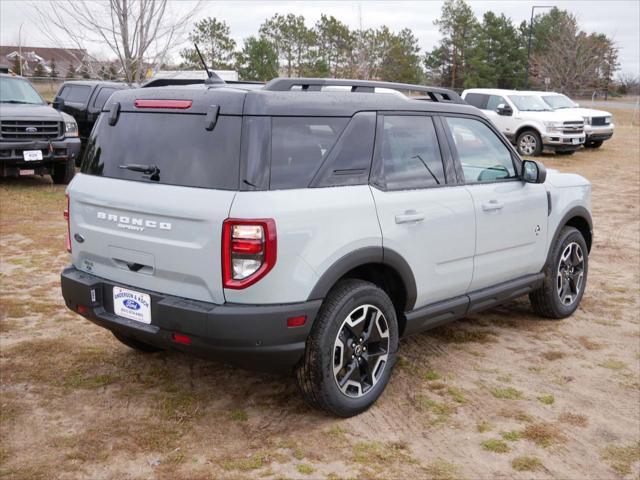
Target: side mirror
533,171
58,103
504,110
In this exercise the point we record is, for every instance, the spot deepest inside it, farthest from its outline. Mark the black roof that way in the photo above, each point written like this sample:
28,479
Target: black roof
239,99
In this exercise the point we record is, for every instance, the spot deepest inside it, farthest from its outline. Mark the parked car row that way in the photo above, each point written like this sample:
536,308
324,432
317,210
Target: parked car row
537,122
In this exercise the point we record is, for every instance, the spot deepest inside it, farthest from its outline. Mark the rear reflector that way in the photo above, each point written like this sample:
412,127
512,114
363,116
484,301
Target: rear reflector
296,321
179,338
82,310
174,104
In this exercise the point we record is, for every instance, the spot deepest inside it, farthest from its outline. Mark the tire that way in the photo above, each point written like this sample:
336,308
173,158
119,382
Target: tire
529,143
136,344
349,314
63,173
554,299
594,144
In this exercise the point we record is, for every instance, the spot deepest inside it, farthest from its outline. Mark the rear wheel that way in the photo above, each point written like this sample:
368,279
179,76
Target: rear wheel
136,344
529,143
63,173
593,143
565,276
351,350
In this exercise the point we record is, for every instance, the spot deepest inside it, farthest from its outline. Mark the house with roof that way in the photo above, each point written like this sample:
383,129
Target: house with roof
28,58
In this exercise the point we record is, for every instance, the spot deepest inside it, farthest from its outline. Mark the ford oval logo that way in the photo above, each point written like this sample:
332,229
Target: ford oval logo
31,129
131,304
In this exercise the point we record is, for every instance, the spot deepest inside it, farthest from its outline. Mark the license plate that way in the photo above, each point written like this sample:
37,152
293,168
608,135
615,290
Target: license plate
576,141
32,155
132,305
27,172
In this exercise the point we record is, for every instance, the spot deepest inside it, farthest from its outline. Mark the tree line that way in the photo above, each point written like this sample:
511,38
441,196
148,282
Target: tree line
472,52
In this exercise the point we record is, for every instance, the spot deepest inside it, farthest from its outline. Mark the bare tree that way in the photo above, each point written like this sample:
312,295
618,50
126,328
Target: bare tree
574,60
139,32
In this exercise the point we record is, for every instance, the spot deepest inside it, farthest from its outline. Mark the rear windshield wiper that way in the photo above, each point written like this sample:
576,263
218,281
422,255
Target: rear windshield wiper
152,170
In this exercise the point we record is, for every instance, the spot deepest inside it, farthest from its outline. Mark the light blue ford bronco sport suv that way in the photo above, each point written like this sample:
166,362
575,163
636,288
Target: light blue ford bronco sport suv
310,224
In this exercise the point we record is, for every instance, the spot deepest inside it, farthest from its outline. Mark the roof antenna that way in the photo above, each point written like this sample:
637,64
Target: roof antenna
212,78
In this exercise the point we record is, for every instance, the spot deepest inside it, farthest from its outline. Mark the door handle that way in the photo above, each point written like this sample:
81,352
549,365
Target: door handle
492,206
410,216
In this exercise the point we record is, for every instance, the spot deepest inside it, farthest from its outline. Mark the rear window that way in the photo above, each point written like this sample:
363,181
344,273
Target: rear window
177,145
299,145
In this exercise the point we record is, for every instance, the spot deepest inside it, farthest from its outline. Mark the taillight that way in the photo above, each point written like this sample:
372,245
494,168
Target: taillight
171,104
66,216
249,251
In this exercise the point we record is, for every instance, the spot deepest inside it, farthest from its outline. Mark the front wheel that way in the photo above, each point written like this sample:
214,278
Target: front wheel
63,173
565,276
351,350
593,144
529,143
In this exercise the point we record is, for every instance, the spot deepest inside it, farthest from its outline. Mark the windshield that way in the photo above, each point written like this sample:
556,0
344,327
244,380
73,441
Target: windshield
17,90
529,103
559,101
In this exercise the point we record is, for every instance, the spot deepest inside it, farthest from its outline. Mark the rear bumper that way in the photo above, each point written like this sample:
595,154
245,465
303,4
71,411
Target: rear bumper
56,151
251,336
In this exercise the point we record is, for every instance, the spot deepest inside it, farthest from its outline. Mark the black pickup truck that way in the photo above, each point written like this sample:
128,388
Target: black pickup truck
35,139
83,100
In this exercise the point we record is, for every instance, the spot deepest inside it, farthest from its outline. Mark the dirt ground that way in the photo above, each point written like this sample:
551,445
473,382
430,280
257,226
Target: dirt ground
498,395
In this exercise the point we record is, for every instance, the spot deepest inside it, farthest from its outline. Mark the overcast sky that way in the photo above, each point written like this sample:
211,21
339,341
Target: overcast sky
619,19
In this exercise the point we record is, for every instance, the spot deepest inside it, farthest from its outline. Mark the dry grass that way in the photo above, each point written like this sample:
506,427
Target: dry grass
542,434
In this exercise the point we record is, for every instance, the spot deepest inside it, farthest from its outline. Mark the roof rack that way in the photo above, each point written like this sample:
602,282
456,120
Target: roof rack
435,94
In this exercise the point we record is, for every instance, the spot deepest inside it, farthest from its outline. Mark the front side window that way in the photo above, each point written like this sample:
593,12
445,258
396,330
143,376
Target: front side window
102,97
17,90
409,154
299,145
483,156
494,101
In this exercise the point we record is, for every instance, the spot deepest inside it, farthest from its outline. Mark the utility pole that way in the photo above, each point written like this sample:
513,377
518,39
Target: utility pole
526,74
20,46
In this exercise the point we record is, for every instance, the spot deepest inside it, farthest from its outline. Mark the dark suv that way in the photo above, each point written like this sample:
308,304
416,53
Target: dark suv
83,100
35,139
311,224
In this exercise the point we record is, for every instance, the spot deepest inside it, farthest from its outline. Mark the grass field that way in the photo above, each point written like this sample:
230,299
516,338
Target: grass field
498,395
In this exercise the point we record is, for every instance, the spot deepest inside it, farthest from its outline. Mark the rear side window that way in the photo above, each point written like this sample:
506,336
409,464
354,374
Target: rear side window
177,145
76,93
478,100
299,145
102,97
409,154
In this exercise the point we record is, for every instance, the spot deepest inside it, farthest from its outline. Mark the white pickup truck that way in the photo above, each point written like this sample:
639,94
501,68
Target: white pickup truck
528,121
598,124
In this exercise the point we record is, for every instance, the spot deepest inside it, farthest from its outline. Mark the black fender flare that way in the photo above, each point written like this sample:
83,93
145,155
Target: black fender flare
364,256
577,211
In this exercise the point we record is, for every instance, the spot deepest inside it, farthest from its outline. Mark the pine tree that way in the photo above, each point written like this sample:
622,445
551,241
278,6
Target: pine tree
214,42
